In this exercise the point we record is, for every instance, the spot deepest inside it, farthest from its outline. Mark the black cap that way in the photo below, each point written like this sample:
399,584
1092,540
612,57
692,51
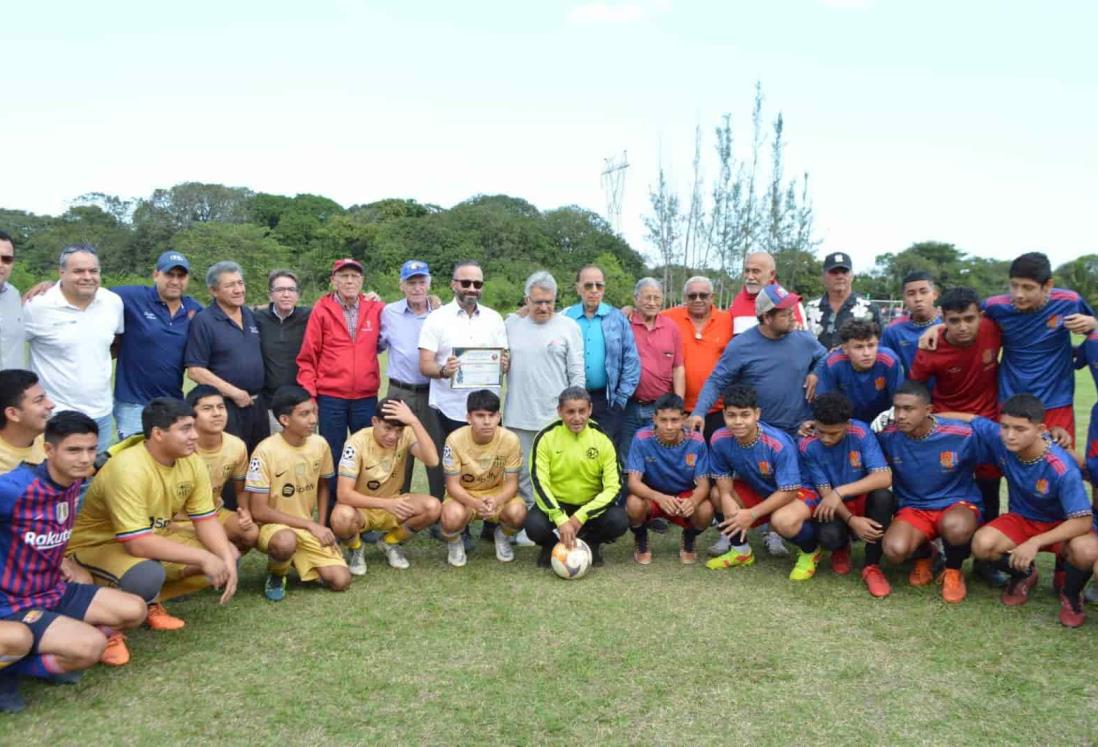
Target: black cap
837,259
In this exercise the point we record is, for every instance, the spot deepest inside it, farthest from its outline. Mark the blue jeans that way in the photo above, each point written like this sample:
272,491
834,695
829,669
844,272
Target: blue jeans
336,416
106,432
636,416
127,418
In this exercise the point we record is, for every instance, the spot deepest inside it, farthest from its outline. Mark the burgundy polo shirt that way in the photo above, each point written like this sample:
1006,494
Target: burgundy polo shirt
660,352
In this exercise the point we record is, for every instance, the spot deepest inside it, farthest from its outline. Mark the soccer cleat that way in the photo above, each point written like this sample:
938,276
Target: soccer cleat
642,557
596,554
774,545
731,559
159,619
953,585
274,588
840,560
115,654
1016,592
922,570
876,582
455,553
805,567
356,560
544,556
10,699
394,554
687,554
720,547
1072,614
991,575
521,540
504,552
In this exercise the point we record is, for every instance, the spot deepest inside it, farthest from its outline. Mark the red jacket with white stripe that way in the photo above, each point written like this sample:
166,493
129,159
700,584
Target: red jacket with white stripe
330,363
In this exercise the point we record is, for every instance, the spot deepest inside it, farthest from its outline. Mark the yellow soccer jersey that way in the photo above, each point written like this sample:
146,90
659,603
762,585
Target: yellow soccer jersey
376,471
228,462
481,466
134,495
11,457
288,476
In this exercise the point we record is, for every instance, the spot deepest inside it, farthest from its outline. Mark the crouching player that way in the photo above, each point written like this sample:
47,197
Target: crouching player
932,462
124,533
67,623
482,462
768,485
1048,504
226,457
844,462
287,484
668,470
371,474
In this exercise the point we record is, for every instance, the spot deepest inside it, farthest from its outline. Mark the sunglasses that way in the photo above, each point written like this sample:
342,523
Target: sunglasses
594,285
698,296
7,259
478,284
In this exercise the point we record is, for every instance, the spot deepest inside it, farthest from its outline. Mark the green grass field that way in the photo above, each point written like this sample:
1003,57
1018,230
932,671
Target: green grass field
629,655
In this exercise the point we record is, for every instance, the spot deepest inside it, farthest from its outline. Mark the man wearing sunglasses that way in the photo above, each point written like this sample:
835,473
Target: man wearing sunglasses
12,350
610,361
839,304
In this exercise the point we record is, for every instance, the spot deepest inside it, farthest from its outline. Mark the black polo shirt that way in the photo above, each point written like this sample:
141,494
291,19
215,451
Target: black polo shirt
234,354
280,340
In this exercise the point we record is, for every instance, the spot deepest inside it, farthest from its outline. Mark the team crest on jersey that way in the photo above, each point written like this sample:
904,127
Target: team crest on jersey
764,467
592,453
184,489
947,459
879,383
61,512
1053,321
989,355
856,459
32,616
1042,486
691,460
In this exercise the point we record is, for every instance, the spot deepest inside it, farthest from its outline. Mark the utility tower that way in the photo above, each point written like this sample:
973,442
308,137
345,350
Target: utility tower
613,185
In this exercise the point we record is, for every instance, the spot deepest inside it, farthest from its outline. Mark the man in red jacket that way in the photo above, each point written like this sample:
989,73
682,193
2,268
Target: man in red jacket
338,359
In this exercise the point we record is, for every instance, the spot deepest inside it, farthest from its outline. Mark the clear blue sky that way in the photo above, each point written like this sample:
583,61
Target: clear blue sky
971,122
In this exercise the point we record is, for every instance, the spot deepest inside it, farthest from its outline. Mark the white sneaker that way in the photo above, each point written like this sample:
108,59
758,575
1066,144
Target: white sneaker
775,546
504,553
522,540
356,561
455,552
721,546
394,554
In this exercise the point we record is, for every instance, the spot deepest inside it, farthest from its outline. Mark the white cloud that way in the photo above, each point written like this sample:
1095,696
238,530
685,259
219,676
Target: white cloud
614,13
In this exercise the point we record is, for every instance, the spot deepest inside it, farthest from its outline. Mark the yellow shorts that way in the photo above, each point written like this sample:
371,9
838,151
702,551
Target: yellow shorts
109,562
308,556
470,514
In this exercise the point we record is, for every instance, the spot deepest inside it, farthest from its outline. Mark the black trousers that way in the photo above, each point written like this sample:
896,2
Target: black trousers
880,505
251,425
597,530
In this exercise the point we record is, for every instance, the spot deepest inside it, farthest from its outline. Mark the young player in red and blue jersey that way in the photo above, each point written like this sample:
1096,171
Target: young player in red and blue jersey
862,370
668,470
844,462
932,461
1048,503
1036,321
902,335
69,621
759,479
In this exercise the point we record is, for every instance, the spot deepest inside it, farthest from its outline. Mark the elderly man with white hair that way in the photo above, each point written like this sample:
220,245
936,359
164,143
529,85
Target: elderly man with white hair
546,359
759,271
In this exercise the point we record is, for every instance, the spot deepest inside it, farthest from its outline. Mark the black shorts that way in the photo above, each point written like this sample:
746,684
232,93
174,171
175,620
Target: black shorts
74,603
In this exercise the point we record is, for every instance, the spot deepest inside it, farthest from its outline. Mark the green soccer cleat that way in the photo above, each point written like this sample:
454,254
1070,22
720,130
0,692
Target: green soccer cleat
275,588
731,559
805,567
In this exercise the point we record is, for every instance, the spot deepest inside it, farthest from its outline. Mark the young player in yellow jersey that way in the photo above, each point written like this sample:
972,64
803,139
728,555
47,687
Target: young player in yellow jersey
371,474
226,456
482,463
123,533
24,410
287,484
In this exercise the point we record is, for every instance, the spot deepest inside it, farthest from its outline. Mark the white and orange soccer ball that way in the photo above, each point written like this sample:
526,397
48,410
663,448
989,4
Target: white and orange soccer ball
571,564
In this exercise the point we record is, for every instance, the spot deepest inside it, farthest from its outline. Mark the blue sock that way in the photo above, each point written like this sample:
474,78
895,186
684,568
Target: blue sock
41,666
806,538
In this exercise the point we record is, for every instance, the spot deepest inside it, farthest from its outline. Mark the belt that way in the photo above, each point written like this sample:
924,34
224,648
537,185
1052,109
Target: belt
642,402
409,387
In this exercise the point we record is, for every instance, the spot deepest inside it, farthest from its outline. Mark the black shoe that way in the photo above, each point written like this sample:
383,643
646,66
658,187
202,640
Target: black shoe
488,531
659,526
991,575
596,555
544,555
10,699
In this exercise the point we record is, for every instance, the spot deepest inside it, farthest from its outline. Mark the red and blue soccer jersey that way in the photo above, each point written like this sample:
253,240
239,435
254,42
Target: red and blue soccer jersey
769,464
670,469
870,391
1050,489
1037,353
854,457
902,337
36,519
935,471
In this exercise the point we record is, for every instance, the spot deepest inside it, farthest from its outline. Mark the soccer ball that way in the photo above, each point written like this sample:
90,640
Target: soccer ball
574,563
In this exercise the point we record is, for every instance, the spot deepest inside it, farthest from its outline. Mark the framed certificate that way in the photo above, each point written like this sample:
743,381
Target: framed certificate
479,368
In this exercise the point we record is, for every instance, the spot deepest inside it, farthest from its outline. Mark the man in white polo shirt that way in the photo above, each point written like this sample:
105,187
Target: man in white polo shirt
71,328
12,350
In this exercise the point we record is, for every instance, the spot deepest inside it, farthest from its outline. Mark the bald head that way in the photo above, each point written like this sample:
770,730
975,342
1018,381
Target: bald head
758,270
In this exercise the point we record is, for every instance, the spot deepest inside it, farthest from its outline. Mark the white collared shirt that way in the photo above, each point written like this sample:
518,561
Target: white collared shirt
449,327
70,348
13,352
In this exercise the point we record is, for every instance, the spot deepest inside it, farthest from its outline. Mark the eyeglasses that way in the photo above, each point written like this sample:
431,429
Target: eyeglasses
478,284
7,259
284,289
698,296
548,302
594,285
